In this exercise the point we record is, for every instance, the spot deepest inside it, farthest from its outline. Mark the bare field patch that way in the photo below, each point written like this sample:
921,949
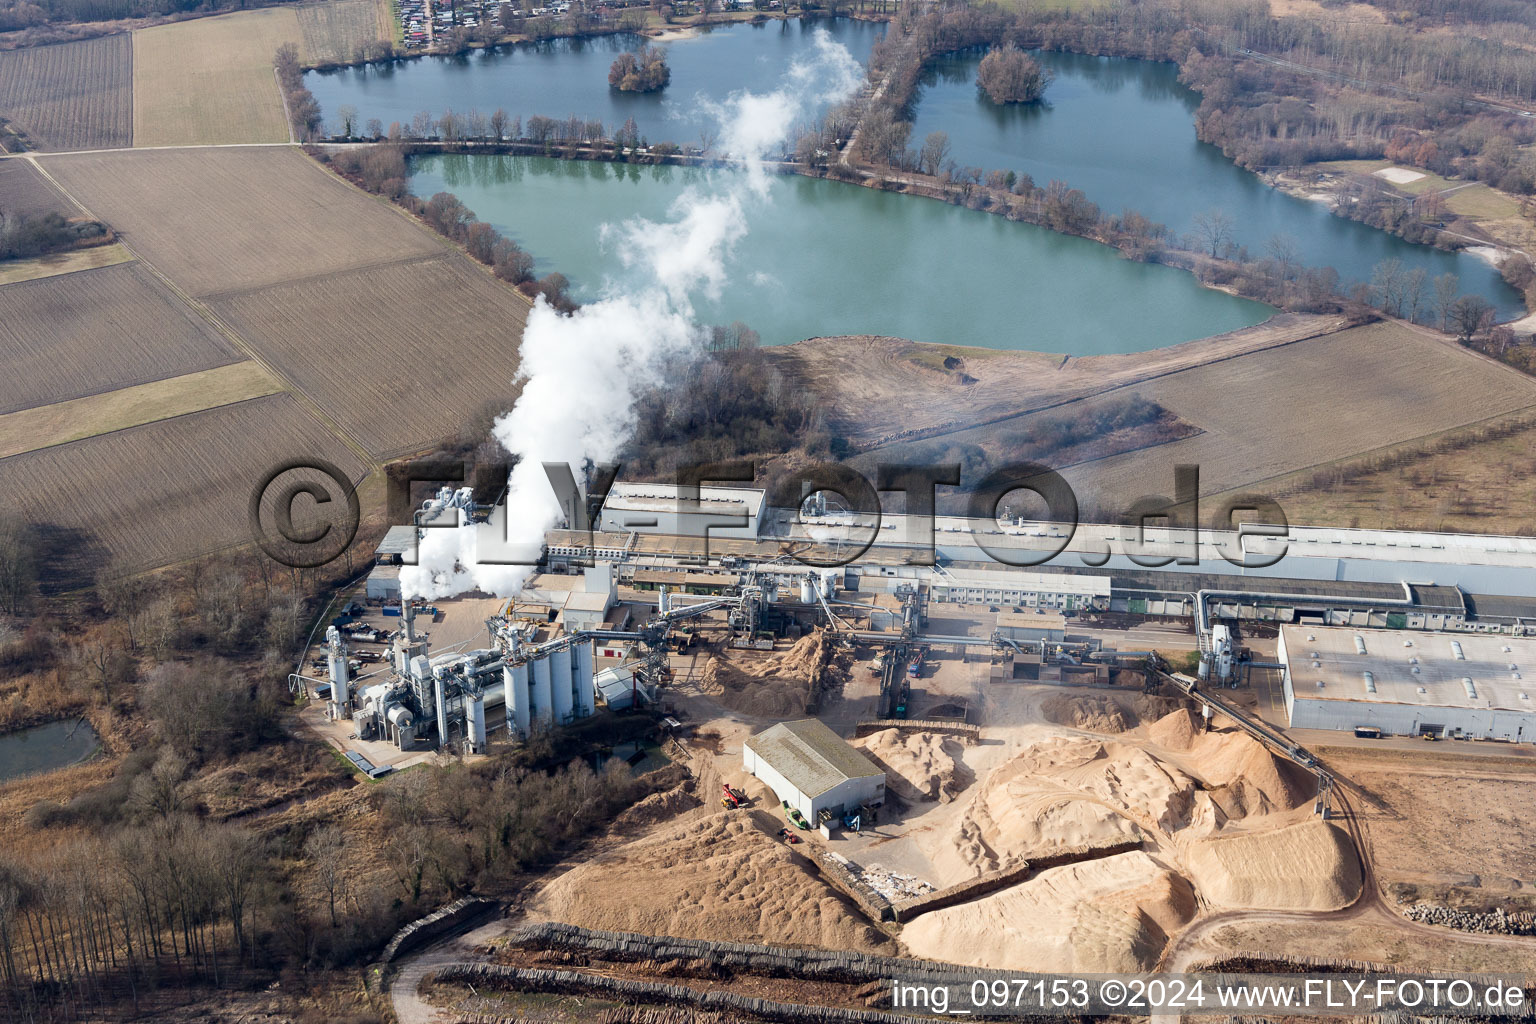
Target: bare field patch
209,81
48,425
80,334
1274,412
25,190
401,355
214,220
75,95
164,492
1479,479
334,29
1445,815
58,263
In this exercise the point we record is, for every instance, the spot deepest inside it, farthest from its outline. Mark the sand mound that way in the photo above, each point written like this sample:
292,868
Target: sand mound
1307,866
1246,779
1092,713
775,686
920,765
1057,794
1113,914
1176,731
716,877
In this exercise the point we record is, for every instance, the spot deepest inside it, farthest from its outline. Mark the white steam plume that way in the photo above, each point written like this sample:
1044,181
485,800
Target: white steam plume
581,373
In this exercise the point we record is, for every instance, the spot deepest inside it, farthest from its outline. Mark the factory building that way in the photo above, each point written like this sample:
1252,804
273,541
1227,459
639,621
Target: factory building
1409,683
1069,593
813,769
717,512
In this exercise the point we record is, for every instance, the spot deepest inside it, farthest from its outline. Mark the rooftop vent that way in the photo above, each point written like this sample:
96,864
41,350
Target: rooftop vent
1407,643
1525,696
1466,684
1359,644
1311,636
1370,682
1457,652
1422,691
1320,684
1506,648
1414,670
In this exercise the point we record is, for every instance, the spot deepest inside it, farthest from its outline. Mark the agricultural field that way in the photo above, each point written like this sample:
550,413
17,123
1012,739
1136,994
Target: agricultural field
54,264
44,426
1283,409
92,331
216,220
334,29
164,492
209,81
399,355
1476,480
75,95
25,191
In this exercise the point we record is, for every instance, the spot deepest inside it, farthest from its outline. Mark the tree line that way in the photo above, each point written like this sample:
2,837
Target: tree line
23,235
133,885
382,170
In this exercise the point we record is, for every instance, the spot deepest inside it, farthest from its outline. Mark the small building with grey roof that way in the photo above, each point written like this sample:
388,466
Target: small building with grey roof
813,769
1410,683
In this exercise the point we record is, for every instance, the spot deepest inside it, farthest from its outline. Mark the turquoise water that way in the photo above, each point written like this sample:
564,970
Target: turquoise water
826,258
1123,132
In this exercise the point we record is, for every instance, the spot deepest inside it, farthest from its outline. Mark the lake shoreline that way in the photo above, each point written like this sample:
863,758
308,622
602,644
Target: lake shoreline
921,186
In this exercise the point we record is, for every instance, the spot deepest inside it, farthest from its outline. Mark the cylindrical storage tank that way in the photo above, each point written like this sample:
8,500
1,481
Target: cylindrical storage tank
562,697
476,725
829,583
539,693
582,672
807,589
515,688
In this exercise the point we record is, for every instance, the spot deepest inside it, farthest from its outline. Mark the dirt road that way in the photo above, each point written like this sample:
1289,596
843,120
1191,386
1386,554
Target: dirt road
410,1008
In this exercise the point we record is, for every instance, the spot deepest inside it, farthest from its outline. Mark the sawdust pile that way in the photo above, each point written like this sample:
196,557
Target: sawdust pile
776,686
1245,779
1108,915
1059,793
1307,866
1176,731
919,766
1091,713
714,877
656,808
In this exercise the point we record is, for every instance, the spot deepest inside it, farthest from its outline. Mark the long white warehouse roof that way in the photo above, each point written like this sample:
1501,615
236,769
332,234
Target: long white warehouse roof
1386,666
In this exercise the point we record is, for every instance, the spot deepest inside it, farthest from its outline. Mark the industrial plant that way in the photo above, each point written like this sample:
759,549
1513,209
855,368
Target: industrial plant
1396,633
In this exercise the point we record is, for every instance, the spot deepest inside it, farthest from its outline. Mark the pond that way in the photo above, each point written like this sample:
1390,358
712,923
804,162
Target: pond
45,747
1123,132
825,258
562,77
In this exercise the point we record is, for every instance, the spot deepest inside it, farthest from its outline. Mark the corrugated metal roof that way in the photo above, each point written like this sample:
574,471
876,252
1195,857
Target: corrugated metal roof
398,540
812,757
